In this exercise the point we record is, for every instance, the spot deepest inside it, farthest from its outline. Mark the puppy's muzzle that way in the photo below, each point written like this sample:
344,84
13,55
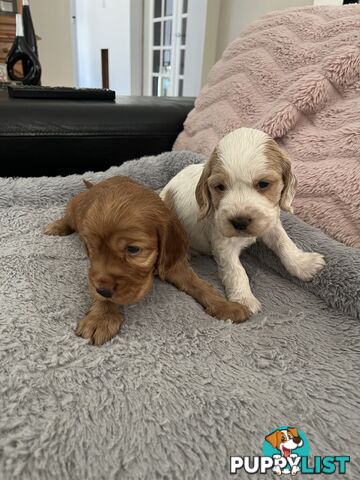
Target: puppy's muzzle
240,223
105,293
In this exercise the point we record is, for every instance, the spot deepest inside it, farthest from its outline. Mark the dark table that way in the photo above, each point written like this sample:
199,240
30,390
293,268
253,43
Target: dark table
60,137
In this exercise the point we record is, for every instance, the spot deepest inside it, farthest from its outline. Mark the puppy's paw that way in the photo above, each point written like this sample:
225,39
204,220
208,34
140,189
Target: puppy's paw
276,469
306,265
229,311
251,302
60,227
99,329
295,469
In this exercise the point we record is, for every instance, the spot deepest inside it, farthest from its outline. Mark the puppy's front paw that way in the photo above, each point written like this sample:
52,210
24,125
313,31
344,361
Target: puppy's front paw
306,265
277,470
99,329
229,311
251,302
295,470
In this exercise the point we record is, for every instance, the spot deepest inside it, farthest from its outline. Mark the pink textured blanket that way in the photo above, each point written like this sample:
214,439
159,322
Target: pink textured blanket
295,75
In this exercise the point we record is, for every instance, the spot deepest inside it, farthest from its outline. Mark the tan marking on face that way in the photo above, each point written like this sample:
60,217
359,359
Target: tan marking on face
208,191
273,191
202,192
218,177
279,162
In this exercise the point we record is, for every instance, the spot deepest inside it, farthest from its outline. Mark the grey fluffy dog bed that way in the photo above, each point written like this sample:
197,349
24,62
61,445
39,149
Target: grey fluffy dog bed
176,392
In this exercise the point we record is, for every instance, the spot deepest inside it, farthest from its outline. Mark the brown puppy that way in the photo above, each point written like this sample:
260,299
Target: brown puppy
130,236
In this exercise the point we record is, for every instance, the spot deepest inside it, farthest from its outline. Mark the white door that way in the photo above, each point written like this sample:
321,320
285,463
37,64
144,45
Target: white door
116,27
169,67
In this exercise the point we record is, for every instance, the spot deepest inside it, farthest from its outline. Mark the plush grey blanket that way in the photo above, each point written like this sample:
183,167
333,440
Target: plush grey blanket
176,392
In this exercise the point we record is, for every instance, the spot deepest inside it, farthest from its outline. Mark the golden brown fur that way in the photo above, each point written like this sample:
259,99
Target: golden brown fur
206,194
112,218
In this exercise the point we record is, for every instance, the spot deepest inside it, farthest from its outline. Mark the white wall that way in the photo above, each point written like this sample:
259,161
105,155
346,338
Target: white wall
104,24
211,35
52,22
196,37
236,15
328,2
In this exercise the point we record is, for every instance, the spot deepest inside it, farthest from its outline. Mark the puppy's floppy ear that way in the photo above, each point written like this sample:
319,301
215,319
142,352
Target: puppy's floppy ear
202,192
173,245
273,438
293,431
290,183
278,157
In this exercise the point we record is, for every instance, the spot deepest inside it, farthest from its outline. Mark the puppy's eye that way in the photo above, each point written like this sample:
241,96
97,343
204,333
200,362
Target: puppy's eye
262,185
220,187
132,250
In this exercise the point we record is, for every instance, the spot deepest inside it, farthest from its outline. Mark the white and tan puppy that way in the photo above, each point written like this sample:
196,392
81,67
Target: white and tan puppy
234,198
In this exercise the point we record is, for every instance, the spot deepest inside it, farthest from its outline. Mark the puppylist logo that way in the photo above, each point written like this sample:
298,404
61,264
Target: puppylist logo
286,451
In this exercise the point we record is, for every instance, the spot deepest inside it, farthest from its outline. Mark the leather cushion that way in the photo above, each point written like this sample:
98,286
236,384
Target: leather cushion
58,137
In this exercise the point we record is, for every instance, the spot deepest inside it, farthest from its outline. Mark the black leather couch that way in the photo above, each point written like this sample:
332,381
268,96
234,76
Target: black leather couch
57,137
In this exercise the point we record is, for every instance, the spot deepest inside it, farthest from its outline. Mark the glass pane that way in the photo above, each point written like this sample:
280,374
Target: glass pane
183,31
157,8
181,83
182,61
167,32
155,86
165,85
166,64
156,61
168,7
157,34
185,6
7,7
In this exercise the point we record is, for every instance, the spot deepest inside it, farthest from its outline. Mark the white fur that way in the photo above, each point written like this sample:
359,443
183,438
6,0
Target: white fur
289,442
242,155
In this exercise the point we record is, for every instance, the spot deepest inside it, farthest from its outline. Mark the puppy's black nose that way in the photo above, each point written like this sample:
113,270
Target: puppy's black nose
105,293
297,440
240,223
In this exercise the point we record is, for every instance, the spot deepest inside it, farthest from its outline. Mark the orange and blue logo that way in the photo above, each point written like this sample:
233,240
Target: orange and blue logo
286,451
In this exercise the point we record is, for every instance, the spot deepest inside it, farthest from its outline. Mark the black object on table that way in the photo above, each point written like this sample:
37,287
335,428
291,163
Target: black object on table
20,52
60,93
61,137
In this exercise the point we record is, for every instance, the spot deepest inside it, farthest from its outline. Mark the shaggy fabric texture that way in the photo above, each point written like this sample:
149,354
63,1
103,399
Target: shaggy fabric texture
176,392
295,75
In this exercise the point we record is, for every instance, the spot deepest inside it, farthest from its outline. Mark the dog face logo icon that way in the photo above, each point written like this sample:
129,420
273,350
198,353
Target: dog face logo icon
286,451
285,440
286,445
